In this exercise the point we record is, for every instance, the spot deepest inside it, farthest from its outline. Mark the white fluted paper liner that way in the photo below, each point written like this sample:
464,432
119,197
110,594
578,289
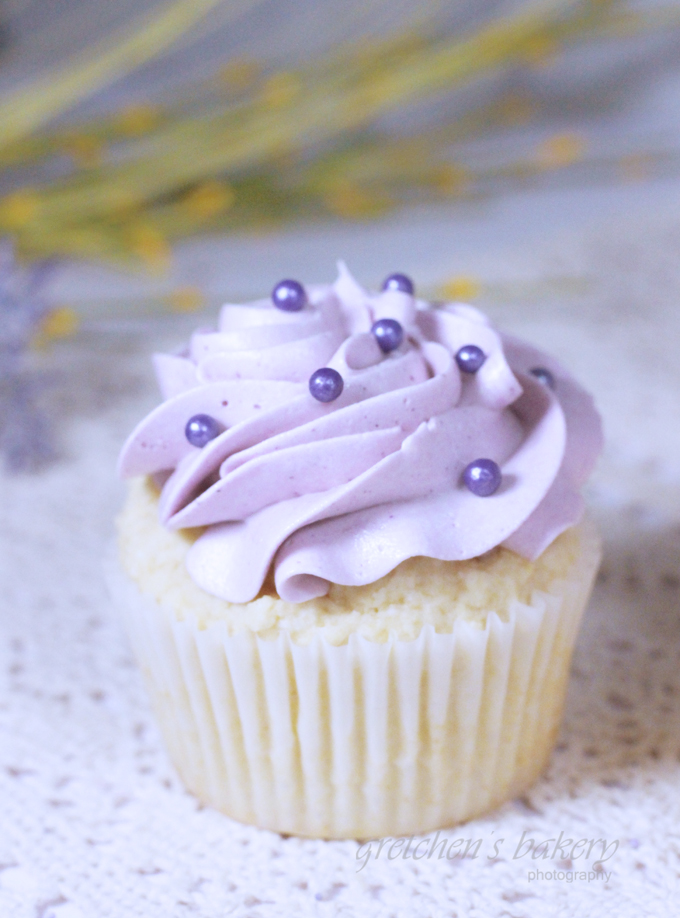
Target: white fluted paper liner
365,739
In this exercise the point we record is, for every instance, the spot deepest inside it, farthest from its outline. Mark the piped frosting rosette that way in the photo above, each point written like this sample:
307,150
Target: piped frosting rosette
342,491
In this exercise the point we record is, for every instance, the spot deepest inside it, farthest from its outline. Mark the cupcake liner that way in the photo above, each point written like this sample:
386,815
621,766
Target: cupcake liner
364,739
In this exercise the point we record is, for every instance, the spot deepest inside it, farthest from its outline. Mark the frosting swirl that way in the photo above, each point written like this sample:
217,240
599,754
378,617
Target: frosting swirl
344,491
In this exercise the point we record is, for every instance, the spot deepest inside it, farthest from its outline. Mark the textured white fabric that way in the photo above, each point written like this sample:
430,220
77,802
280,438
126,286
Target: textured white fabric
95,823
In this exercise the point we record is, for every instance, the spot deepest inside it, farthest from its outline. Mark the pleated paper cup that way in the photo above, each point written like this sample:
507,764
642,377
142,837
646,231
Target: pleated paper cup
364,739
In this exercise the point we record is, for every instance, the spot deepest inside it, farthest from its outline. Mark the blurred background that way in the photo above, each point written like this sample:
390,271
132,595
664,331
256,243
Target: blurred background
158,158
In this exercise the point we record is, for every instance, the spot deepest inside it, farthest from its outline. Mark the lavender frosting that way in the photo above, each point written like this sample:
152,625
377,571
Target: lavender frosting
342,492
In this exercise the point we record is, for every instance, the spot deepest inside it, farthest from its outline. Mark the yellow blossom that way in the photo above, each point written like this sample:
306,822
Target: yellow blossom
540,50
451,178
349,200
150,245
122,203
280,89
85,149
560,150
186,299
137,119
209,198
18,208
60,322
462,287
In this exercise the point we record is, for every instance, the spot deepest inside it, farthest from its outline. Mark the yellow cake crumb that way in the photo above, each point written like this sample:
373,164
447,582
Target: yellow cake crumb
419,591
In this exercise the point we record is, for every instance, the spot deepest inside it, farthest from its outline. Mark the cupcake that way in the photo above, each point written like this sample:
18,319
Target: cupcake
353,559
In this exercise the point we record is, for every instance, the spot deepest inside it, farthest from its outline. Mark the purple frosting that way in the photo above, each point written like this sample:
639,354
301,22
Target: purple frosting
343,491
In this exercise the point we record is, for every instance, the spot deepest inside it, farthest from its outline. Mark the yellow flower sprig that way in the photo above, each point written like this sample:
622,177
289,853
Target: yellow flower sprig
27,109
283,145
258,203
130,123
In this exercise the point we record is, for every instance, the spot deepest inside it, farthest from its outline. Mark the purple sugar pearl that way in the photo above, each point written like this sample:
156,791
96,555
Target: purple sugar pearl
201,429
470,358
289,295
326,384
399,282
482,477
544,376
388,333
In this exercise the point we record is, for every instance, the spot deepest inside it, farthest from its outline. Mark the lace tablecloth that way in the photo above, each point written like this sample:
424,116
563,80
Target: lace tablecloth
94,821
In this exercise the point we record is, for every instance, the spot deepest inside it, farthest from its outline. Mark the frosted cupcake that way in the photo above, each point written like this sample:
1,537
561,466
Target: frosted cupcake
353,559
